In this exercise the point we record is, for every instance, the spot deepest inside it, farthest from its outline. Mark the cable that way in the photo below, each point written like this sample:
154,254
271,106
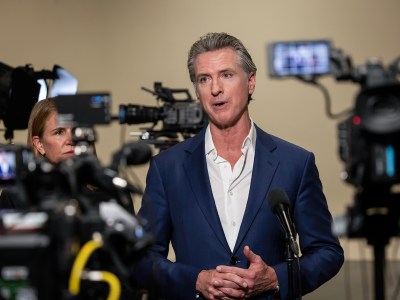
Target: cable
80,261
299,277
108,277
328,109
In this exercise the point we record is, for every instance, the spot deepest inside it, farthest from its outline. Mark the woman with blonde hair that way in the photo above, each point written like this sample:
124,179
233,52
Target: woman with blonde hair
46,137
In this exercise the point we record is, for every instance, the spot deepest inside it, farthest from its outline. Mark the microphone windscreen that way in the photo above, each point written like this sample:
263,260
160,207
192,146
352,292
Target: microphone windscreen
276,198
137,153
131,154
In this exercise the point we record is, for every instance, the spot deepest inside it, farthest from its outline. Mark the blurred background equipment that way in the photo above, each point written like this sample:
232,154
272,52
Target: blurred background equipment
369,136
74,234
22,87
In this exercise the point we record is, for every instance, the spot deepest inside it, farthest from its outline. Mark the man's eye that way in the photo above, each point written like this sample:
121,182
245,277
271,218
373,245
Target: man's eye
202,80
227,75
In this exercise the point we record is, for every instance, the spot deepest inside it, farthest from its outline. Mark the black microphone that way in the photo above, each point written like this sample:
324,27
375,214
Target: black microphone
135,153
279,203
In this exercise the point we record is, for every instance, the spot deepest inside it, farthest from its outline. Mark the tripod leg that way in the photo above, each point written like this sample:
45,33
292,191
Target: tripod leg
379,271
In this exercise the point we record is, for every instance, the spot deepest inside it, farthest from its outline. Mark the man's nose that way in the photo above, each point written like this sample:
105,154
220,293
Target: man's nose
216,87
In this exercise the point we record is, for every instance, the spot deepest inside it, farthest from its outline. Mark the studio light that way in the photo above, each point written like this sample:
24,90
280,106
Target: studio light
22,87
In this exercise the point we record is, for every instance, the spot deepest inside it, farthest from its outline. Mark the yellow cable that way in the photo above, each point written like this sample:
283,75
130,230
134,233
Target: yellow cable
113,282
110,278
80,262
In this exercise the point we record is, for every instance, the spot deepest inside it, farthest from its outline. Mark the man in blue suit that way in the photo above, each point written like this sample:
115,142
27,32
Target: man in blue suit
207,196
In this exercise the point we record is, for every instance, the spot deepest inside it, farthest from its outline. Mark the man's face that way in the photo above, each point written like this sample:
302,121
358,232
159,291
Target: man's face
222,87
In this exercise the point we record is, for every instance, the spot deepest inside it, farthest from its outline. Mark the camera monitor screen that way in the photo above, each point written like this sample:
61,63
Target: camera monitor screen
84,109
7,167
299,58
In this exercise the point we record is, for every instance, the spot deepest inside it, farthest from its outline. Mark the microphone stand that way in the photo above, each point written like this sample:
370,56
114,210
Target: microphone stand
289,262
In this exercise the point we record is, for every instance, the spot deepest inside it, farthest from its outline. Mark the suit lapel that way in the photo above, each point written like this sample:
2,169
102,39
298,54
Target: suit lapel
264,169
196,170
265,165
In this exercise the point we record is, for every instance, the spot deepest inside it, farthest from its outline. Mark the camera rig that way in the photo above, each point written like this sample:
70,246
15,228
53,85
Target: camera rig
71,231
369,136
180,117
368,143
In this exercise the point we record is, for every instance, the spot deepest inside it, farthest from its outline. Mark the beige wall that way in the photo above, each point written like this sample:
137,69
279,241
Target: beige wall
120,46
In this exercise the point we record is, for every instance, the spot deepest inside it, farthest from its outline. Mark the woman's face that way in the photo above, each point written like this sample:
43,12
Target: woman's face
56,143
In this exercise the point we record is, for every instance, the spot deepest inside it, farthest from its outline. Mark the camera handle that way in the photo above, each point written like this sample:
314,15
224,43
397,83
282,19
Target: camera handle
152,137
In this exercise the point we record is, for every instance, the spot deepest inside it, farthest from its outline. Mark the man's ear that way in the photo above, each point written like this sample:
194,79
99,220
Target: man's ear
37,144
252,83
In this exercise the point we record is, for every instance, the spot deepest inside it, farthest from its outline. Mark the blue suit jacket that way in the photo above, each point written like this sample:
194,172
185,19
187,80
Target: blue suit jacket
179,207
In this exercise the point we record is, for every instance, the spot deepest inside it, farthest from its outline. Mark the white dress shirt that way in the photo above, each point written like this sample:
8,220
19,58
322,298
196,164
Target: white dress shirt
231,187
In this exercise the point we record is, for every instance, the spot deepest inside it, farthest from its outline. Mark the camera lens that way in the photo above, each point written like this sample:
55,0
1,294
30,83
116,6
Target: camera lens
137,114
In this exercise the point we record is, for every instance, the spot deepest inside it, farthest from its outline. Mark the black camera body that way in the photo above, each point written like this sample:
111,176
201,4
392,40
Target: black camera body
369,140
84,109
369,137
177,115
368,134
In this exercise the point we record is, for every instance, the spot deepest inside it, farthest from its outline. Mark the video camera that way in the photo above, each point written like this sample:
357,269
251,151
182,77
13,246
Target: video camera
70,232
369,137
59,211
182,116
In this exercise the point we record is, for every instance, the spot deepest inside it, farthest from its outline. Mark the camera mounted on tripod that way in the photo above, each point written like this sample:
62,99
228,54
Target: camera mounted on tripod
369,135
180,114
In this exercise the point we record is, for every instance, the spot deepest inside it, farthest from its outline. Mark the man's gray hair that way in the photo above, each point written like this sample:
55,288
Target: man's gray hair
214,41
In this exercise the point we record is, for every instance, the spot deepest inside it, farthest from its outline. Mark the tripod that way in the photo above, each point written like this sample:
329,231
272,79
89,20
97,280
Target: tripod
375,217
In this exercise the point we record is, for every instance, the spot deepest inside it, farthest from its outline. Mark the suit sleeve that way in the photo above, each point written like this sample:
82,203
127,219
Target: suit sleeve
321,253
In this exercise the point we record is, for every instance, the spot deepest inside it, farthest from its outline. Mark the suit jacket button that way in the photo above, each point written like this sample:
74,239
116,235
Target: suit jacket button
234,260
